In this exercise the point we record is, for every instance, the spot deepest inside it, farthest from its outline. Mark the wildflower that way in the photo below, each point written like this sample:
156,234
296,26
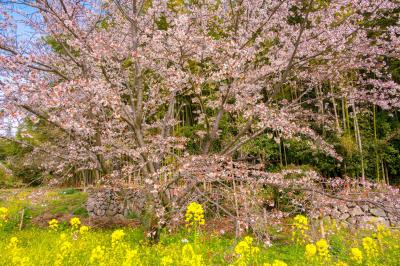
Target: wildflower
166,260
63,237
322,249
279,263
341,263
21,261
245,247
16,253
370,247
275,263
194,214
3,213
66,246
311,250
300,226
189,257
13,242
53,224
64,251
356,255
131,257
117,236
84,229
75,222
381,232
97,256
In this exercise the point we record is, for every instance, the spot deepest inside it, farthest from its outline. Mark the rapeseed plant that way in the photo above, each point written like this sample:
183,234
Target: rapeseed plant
299,227
53,224
75,222
246,250
323,249
131,258
276,263
356,255
194,215
189,257
3,216
16,253
311,250
83,230
97,256
116,237
370,247
166,260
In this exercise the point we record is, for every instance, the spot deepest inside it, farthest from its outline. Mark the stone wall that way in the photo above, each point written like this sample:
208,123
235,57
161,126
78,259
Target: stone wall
112,202
361,215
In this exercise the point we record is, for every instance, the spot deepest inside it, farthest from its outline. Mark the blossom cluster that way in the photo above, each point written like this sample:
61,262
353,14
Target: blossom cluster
194,215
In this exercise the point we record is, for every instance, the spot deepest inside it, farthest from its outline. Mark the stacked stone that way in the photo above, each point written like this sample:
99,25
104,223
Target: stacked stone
113,202
362,215
104,202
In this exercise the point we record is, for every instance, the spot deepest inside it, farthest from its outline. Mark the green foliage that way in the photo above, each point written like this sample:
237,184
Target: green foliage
42,247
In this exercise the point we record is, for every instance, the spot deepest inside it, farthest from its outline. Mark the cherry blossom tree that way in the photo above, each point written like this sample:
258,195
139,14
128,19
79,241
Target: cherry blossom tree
114,77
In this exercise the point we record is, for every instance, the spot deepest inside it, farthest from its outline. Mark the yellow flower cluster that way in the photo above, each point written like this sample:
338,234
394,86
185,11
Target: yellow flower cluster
370,247
341,263
300,226
381,232
131,258
83,229
276,263
311,250
245,247
356,255
116,237
3,215
194,215
323,249
166,260
97,256
16,253
75,222
189,257
53,224
246,250
64,251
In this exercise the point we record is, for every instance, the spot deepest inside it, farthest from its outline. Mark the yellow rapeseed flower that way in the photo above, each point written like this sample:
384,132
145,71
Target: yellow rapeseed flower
75,222
323,249
275,263
131,258
166,260
278,263
3,213
194,214
117,236
53,224
381,232
245,247
97,256
84,229
189,257
370,247
311,250
300,226
13,242
356,255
